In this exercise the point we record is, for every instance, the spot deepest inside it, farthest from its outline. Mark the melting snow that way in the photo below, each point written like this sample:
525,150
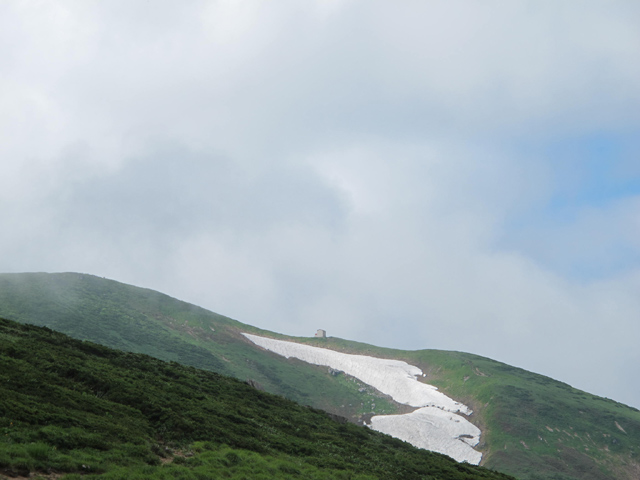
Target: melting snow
436,426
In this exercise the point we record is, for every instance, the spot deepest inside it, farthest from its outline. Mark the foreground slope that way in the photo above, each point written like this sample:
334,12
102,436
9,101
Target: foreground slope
532,426
68,406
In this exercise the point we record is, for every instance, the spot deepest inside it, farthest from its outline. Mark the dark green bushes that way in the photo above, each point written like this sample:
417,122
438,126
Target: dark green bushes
71,406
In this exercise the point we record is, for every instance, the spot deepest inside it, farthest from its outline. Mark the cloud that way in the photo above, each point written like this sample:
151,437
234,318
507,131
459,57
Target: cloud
438,175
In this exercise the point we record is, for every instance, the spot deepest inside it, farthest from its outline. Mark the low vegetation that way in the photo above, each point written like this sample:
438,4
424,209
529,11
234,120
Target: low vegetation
145,321
78,408
533,427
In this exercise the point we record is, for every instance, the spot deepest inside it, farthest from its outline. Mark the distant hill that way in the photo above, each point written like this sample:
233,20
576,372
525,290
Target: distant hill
532,426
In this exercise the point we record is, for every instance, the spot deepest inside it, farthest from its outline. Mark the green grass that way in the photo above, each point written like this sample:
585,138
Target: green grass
144,321
75,407
512,407
533,427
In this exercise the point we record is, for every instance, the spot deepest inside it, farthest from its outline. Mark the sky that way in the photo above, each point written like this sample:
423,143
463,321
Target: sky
456,175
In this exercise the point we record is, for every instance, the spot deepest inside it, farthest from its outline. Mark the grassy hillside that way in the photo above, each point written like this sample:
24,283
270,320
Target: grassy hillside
533,427
145,321
74,407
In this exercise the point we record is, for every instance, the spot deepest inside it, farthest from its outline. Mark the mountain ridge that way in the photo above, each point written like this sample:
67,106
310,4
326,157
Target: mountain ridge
532,426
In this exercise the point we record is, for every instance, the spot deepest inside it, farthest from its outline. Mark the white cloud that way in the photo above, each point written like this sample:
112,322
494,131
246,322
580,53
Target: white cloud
333,164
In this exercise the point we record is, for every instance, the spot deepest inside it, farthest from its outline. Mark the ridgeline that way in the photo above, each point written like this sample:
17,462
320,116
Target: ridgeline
533,427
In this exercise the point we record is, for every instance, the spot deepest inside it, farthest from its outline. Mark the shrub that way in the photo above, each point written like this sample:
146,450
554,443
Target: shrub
39,451
232,459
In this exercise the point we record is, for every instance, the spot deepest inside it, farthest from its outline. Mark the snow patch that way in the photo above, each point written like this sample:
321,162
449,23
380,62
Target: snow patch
435,426
433,429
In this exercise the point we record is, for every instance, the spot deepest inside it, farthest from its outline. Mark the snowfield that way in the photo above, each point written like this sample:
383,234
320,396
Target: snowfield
435,426
433,429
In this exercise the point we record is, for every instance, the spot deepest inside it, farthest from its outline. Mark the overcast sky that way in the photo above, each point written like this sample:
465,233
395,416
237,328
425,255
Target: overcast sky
456,175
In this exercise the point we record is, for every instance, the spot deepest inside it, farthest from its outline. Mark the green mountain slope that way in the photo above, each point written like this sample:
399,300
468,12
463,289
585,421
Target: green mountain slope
68,406
533,427
145,321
